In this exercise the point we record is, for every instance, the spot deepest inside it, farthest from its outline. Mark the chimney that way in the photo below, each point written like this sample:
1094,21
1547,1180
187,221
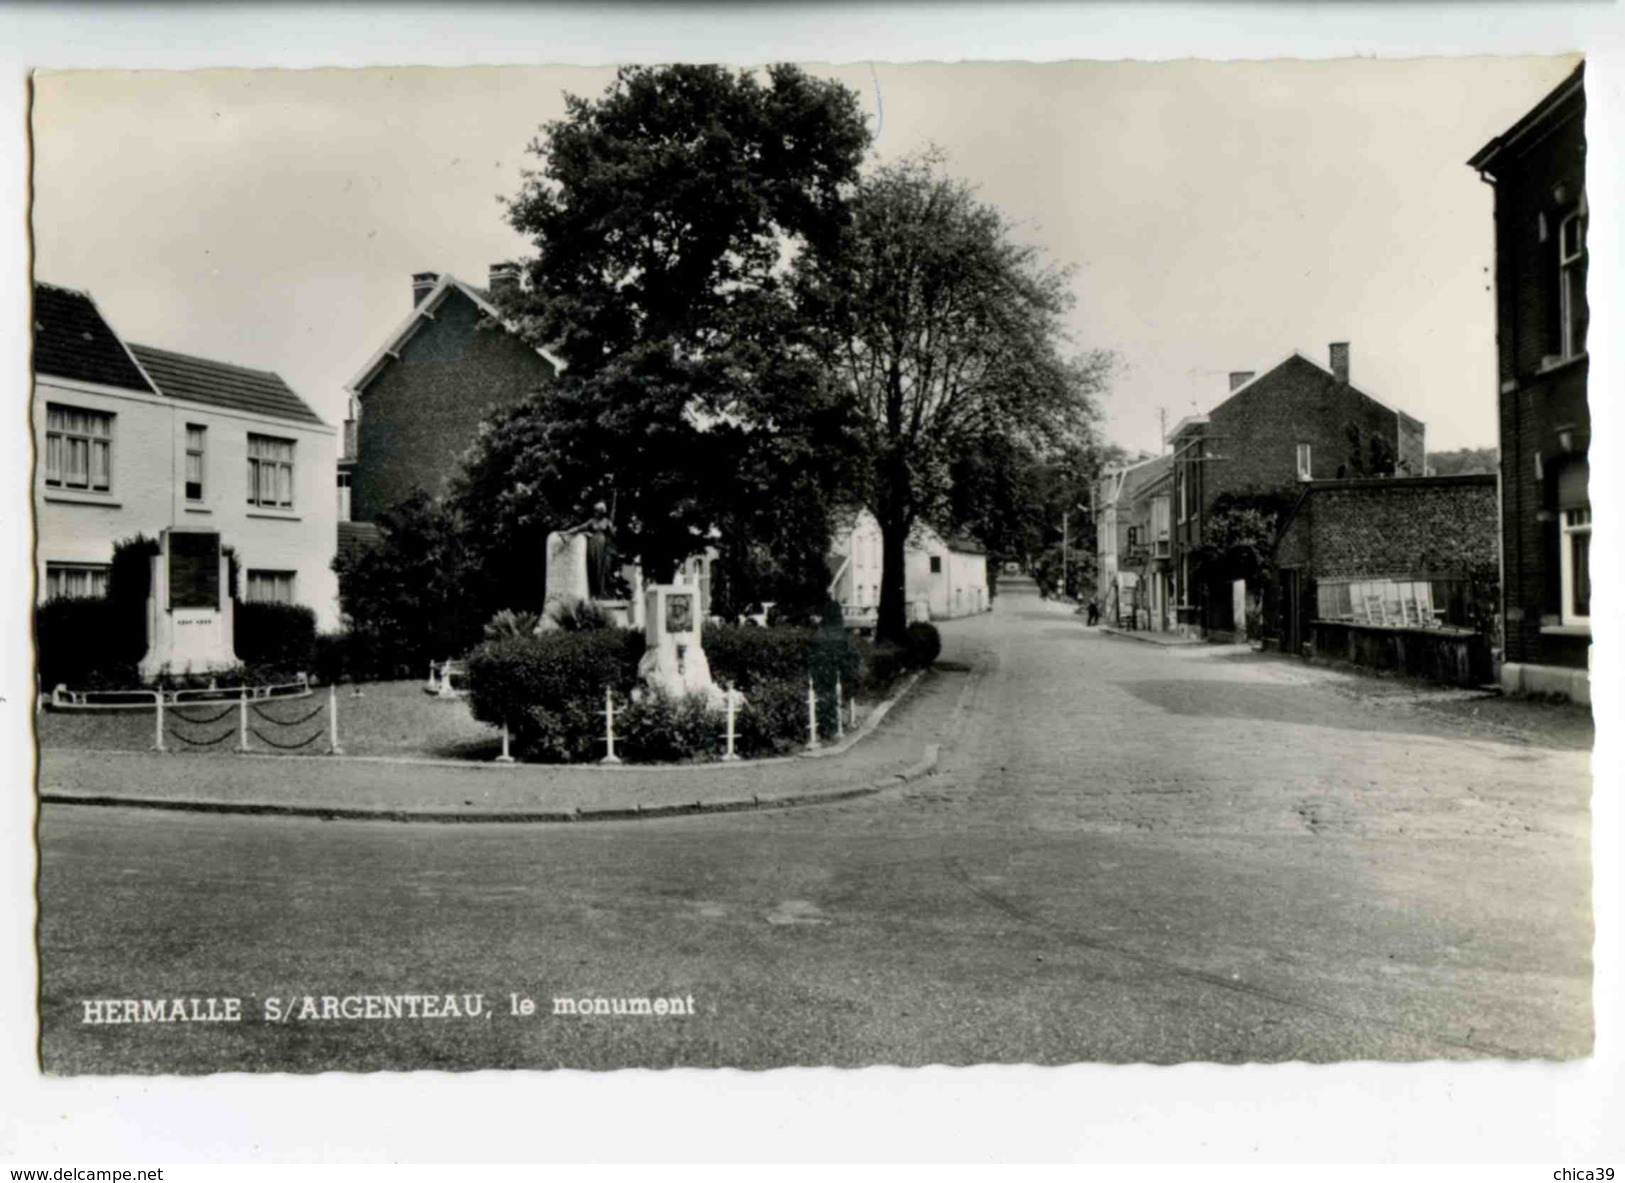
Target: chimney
422,284
1240,378
1340,360
503,280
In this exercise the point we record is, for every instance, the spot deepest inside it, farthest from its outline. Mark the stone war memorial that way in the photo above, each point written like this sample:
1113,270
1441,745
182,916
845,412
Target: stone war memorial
189,607
674,662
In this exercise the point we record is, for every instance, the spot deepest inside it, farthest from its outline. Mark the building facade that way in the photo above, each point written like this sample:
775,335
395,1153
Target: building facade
1296,422
134,439
417,404
943,578
1537,168
1132,541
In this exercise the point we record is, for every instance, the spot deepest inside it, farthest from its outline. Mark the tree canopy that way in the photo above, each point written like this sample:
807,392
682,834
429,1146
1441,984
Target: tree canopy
946,334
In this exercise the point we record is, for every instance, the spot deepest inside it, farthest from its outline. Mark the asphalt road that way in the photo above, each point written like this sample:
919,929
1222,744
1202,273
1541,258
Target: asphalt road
1131,854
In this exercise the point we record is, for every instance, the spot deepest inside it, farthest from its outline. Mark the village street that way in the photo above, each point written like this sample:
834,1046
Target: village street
1129,853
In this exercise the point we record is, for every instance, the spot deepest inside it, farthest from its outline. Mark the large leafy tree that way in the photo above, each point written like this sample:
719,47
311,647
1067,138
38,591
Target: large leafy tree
947,336
665,215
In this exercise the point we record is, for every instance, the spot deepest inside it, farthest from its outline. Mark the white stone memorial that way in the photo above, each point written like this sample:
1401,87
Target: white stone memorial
566,574
189,608
674,662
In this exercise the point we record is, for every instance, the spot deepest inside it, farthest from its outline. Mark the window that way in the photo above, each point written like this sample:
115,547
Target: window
344,496
270,587
1305,468
1184,512
936,564
75,581
1571,280
1576,565
78,449
1159,519
270,472
194,462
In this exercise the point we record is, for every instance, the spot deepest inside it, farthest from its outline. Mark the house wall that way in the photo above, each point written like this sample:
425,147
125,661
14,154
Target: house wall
1537,399
420,413
967,583
148,489
959,587
1260,427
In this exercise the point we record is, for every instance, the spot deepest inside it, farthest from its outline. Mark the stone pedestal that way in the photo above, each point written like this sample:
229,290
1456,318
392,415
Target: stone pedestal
674,662
189,607
566,573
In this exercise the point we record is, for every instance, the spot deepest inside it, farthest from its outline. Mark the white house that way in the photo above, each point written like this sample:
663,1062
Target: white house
132,439
942,578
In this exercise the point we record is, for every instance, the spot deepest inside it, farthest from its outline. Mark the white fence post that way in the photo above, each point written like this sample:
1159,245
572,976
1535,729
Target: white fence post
242,718
730,754
609,728
158,733
333,721
840,728
812,714
505,758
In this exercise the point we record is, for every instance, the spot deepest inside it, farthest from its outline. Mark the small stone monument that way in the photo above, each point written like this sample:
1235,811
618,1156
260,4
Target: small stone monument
189,608
674,662
566,573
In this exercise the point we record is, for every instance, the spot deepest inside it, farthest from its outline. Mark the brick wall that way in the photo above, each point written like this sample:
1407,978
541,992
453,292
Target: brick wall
421,412
1437,527
1536,401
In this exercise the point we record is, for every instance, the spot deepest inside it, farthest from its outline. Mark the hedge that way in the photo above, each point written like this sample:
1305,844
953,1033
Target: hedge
275,636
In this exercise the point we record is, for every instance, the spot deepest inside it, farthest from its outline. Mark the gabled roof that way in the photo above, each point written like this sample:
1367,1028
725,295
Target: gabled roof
72,340
215,383
424,311
1295,355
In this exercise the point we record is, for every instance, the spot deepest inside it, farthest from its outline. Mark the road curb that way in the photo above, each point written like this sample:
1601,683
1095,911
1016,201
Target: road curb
613,813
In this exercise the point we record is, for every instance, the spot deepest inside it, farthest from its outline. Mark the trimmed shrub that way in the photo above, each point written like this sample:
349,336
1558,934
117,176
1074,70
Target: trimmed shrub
773,720
924,644
747,656
656,728
577,616
275,636
331,660
539,685
78,645
886,663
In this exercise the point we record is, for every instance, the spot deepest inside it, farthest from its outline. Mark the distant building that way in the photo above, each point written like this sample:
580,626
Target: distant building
1132,540
134,439
943,578
1538,170
1297,421
417,404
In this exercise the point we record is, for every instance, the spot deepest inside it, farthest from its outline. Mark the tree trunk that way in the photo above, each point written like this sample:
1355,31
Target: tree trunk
892,622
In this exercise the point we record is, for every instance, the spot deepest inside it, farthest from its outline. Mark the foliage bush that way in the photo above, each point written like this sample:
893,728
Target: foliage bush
277,636
76,639
509,623
576,616
924,644
543,687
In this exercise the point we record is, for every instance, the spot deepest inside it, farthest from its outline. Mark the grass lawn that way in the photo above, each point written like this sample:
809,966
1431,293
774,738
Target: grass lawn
389,719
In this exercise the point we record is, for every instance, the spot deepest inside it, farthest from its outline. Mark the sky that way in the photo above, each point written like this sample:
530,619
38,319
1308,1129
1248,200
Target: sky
1214,216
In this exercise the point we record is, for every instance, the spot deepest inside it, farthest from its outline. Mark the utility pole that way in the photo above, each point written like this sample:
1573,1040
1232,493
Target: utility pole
1064,547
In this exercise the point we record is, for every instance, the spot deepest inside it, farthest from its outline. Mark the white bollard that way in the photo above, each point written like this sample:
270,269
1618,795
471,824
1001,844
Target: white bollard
433,687
730,754
609,728
840,728
505,758
812,715
242,719
158,734
333,748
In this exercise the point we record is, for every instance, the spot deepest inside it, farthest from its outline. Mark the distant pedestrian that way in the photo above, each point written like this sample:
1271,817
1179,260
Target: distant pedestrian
1094,612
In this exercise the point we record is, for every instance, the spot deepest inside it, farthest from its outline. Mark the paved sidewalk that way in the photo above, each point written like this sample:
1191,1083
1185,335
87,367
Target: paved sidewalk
447,791
1150,637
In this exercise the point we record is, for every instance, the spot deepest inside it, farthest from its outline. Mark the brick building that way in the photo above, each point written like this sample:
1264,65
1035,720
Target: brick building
1402,561
1538,170
417,403
1296,422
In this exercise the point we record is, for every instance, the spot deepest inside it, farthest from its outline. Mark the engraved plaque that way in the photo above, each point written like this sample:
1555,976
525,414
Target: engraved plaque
680,614
194,570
